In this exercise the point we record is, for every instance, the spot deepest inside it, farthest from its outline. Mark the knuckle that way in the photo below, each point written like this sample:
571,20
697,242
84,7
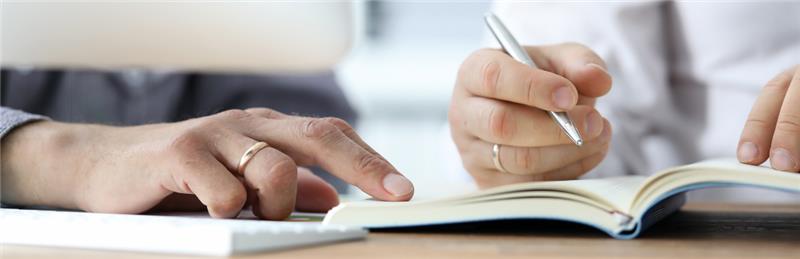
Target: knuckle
757,123
527,159
370,163
264,112
775,85
500,123
233,114
490,75
789,124
319,130
188,140
530,96
305,160
339,123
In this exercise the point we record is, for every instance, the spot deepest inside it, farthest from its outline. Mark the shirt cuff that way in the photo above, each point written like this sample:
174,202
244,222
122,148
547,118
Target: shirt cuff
11,118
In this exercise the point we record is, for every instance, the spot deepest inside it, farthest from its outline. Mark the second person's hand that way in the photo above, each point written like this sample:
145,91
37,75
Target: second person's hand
498,100
772,129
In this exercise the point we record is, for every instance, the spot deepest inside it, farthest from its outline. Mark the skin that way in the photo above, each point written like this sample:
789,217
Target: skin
192,165
499,100
772,129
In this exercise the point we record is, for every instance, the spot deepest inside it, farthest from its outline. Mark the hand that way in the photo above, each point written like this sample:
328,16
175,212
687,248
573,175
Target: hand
499,100
772,129
135,169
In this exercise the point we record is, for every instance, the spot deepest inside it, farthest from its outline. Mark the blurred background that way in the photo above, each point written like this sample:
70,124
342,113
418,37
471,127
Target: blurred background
399,77
396,62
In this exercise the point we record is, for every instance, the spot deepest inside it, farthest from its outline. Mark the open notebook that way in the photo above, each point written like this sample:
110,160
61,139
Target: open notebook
622,207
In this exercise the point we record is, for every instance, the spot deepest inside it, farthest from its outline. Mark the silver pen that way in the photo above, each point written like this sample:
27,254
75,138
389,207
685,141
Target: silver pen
512,47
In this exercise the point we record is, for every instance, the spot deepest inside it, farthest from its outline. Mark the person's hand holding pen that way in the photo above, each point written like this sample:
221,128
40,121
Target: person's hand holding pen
499,121
221,163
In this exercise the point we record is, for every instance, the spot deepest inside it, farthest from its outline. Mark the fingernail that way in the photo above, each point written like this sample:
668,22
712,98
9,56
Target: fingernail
562,98
594,123
397,184
748,152
782,160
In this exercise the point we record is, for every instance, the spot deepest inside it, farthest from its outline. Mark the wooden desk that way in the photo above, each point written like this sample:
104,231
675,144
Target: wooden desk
698,231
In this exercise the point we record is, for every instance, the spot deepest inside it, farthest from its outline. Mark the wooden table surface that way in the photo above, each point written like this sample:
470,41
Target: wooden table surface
698,231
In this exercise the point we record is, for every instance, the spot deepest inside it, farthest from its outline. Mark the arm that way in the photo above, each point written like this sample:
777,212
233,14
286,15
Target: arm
134,169
11,119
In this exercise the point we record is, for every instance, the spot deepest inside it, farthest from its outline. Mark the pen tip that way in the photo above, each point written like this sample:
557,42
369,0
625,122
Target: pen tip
579,142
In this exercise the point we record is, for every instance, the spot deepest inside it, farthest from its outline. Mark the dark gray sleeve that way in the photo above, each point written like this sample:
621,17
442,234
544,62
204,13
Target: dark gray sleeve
10,119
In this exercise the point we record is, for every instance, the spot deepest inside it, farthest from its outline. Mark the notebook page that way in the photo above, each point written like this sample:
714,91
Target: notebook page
618,191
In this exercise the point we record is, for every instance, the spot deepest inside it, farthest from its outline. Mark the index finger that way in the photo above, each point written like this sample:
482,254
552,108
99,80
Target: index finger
339,123
319,142
493,74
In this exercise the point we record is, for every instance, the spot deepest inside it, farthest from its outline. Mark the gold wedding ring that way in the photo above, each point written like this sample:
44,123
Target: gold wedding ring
249,154
496,158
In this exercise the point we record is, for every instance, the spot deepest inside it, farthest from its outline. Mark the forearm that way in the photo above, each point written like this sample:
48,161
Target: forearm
37,168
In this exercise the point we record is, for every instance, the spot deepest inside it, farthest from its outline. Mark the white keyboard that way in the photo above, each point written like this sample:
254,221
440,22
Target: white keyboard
165,234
